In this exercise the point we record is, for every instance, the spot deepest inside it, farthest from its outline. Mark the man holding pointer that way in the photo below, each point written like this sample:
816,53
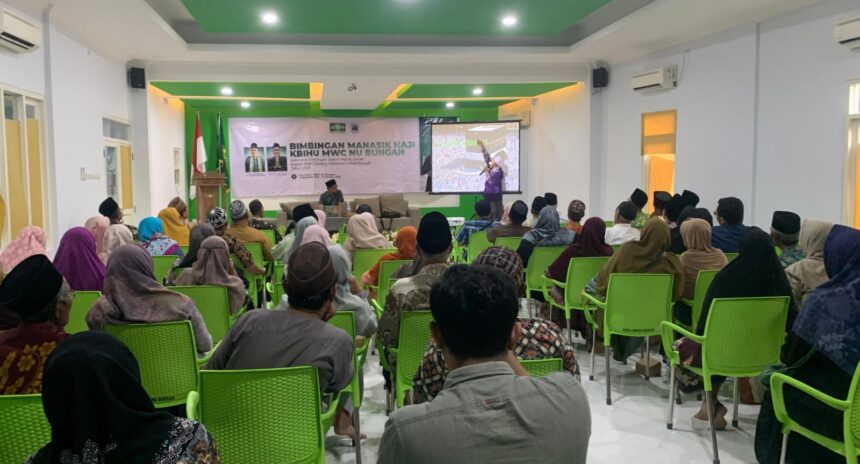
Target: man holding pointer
494,182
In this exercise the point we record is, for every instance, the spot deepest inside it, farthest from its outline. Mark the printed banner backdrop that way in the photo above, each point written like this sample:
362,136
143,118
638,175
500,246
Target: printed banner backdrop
271,157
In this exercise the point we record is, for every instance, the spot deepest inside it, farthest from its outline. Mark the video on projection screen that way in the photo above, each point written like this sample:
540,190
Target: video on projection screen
459,165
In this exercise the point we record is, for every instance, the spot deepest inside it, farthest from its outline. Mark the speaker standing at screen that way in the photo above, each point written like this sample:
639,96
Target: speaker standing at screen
493,184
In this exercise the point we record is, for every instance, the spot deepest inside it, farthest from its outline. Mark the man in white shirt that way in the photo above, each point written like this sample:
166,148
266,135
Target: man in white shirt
623,231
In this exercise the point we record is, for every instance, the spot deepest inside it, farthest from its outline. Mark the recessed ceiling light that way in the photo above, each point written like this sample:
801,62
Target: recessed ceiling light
245,104
477,91
269,17
509,20
449,105
226,91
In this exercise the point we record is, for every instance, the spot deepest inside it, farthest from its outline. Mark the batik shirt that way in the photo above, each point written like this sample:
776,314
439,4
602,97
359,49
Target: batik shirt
260,224
540,340
791,255
242,254
470,227
23,352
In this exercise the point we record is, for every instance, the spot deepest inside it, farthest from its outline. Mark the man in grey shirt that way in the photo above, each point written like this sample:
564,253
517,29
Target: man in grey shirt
299,335
332,195
489,409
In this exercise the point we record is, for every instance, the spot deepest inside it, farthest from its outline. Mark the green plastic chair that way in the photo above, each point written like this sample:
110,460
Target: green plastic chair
731,256
703,283
609,223
579,272
386,269
542,367
277,284
270,235
850,407
635,306
24,428
478,242
512,243
184,249
364,259
214,305
742,337
413,341
540,259
161,266
615,248
341,235
346,321
81,304
263,415
167,356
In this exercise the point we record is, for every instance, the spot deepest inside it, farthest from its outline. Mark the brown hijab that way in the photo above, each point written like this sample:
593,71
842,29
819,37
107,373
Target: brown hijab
213,267
648,255
700,254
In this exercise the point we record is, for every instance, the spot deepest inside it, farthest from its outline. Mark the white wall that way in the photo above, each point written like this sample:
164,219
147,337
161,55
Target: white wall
761,116
166,126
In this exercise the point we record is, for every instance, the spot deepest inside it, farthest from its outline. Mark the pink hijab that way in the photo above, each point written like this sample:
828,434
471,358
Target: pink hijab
98,226
316,233
321,217
362,234
30,241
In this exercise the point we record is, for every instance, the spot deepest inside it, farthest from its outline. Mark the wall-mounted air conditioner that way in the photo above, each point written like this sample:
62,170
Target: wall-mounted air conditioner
18,35
847,33
654,81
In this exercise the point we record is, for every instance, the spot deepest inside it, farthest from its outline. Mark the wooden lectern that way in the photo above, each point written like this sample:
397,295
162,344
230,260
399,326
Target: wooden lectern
209,185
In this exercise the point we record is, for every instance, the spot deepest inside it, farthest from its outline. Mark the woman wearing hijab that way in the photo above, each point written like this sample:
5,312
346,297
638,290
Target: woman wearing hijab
831,313
100,413
174,227
296,241
316,233
362,234
116,236
98,226
133,296
700,256
349,296
755,272
213,267
153,240
540,339
199,233
807,274
30,241
546,232
648,255
321,217
77,260
406,241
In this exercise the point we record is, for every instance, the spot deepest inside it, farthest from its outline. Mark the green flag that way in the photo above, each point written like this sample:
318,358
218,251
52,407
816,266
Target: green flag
223,164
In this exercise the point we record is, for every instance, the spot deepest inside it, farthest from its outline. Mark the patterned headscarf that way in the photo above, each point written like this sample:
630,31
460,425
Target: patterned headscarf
547,231
98,226
30,241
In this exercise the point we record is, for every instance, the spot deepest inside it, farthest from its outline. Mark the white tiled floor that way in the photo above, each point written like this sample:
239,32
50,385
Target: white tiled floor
632,430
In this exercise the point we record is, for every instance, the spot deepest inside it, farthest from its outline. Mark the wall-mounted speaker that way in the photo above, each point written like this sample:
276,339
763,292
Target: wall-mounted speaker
599,78
136,78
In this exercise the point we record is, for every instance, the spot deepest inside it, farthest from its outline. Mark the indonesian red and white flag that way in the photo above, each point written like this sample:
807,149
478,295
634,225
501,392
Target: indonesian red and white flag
198,154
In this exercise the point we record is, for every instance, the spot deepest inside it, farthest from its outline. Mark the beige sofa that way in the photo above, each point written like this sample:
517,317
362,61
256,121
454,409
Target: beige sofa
388,202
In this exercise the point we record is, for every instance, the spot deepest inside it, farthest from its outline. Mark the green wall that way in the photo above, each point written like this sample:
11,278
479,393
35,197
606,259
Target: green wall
209,122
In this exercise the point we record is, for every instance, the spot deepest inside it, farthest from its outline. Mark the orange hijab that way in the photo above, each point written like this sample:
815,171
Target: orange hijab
406,242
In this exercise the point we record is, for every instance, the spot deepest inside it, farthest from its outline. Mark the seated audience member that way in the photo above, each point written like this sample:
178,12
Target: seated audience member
807,274
539,339
413,293
363,208
482,222
243,231
199,233
30,241
537,206
475,325
730,217
622,231
322,217
785,233
173,226
551,200
640,199
648,255
690,198
299,335
98,226
298,236
575,213
316,233
546,232
116,236
153,240
673,210
181,208
589,243
133,296
687,213
213,267
299,212
77,260
41,300
831,312
661,199
405,242
217,218
700,256
349,295
514,228
99,411
362,234
755,272
257,222
111,210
